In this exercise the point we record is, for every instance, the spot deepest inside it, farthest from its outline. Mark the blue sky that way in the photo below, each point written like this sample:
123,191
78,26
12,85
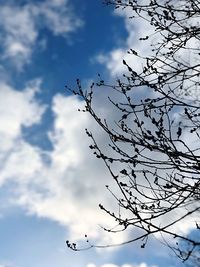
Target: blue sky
50,184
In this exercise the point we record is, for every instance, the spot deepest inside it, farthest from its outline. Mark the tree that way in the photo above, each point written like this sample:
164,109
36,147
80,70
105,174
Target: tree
155,143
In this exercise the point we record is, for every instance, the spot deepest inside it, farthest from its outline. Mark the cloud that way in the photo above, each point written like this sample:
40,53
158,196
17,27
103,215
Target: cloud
60,184
124,265
19,33
20,27
57,16
112,60
136,28
65,188
18,109
67,183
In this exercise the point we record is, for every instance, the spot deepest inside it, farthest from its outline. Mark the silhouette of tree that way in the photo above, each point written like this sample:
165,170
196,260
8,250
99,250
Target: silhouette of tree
153,153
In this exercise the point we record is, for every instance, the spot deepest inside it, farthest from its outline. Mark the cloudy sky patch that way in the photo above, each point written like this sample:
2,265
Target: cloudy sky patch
51,193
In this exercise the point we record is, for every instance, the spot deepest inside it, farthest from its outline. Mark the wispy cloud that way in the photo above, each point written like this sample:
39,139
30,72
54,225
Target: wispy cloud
20,27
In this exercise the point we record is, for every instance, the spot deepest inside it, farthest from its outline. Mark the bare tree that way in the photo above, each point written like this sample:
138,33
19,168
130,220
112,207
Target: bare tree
155,142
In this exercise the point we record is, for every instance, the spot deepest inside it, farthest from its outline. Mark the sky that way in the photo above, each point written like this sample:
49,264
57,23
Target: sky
50,183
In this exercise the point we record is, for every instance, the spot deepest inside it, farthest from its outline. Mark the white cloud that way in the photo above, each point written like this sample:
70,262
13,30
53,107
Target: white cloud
136,28
19,33
91,265
60,184
124,265
20,26
112,60
65,184
57,16
70,184
17,108
65,189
